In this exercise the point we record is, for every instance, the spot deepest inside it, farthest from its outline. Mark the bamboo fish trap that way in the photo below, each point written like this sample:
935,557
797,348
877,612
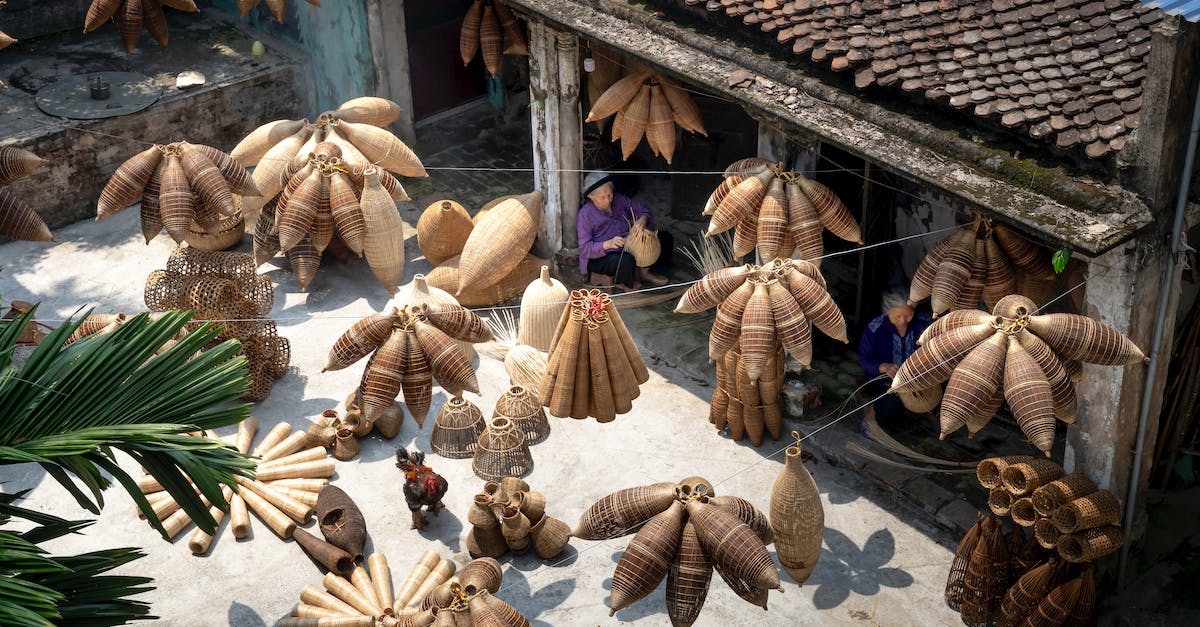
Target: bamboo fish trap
647,104
17,219
486,26
131,16
745,408
499,241
368,596
542,305
1012,355
682,532
442,230
797,517
779,212
282,495
594,366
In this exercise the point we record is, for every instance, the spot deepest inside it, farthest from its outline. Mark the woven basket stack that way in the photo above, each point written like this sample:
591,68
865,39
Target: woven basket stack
224,287
683,532
779,212
1013,355
509,516
647,104
17,219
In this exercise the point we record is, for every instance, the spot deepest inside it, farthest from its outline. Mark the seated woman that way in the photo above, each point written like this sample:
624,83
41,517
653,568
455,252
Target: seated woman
602,224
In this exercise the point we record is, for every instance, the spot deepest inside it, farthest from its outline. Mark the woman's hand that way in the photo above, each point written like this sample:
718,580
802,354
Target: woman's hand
614,243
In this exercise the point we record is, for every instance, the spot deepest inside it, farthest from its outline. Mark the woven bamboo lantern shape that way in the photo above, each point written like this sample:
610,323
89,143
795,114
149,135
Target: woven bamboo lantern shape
501,451
485,27
643,244
980,259
367,596
409,351
682,531
442,230
186,188
1012,355
17,219
595,368
456,429
225,286
283,494
131,16
542,305
647,105
782,213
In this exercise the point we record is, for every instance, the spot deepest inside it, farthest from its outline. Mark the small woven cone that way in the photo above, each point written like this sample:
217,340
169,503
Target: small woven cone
542,305
525,366
1023,477
921,286
505,614
1028,394
986,577
728,324
206,181
617,97
758,337
501,452
1053,495
618,369
361,339
953,271
934,362
421,569
499,241
747,391
442,230
636,363
712,289
304,262
1023,597
341,522
745,235
1080,338
331,557
976,379
797,517
683,108
268,174
266,238
816,303
491,40
832,211
480,574
958,566
1046,533
361,580
347,216
515,527
521,405
458,322
129,19
747,513
306,470
1057,606
440,574
773,222
803,223
295,219
623,511
456,429
252,147
512,29
734,545
953,320
742,201
998,278
341,588
368,110
989,470
647,558
381,378
1062,390
660,130
1098,509
1000,501
316,597
382,148
717,195
176,201
450,365
468,35
383,238
381,580
1021,252
150,210
688,578
122,190
19,221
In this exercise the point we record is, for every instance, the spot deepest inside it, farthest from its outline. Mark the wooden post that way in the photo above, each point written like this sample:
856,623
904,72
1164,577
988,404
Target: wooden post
389,53
544,112
570,121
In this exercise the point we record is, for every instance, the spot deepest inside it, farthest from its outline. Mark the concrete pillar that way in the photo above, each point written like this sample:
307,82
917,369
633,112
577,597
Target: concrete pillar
570,139
544,112
389,52
773,144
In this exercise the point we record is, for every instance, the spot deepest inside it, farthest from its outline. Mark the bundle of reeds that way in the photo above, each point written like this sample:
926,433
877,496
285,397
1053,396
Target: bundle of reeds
17,219
509,516
683,531
780,212
485,27
595,368
647,104
524,364
409,350
283,494
1011,355
980,259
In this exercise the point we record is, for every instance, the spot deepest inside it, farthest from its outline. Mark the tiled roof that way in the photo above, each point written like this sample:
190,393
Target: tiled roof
1064,71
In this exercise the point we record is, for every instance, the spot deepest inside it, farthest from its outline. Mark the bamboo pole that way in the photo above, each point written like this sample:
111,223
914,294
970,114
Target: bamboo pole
239,518
292,443
200,541
319,468
306,455
381,578
313,595
273,437
279,522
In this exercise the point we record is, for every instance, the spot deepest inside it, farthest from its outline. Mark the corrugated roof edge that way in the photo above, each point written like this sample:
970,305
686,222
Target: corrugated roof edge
1187,9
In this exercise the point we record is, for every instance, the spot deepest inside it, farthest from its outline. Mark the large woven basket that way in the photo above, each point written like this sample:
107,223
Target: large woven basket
643,244
456,429
521,405
501,452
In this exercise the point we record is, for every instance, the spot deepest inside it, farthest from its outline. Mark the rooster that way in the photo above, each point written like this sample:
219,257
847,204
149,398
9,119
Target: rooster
422,486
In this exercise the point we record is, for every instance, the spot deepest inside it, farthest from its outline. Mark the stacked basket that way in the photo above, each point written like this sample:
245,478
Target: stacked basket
484,27
509,516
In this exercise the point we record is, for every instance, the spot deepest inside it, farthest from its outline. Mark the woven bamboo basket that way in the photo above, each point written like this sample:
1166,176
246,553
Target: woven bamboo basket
617,97
420,292
1000,501
986,577
1098,509
647,558
712,289
989,470
1053,495
743,200
958,566
1028,591
268,174
688,578
368,110
797,517
361,339
1046,533
815,301
123,189
1022,512
643,244
383,235
953,272
624,511
660,130
1077,337
446,277
341,522
498,242
1021,252
976,379
549,536
1085,605
456,429
733,545
834,214
935,361
525,366
442,230
1023,478
1028,394
450,365
683,108
522,407
542,304
501,451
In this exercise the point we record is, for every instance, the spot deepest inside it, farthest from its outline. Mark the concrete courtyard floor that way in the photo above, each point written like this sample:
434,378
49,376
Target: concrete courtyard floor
881,562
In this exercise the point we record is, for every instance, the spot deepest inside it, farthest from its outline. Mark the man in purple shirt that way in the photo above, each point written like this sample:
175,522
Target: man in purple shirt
602,224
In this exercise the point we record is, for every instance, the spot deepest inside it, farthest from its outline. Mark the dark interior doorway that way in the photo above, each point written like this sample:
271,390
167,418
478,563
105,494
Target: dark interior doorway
439,80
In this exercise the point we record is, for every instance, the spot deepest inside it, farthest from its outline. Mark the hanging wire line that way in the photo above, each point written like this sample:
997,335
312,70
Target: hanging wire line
1060,296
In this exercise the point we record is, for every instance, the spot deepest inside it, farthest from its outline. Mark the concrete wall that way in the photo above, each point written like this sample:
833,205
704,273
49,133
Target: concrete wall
25,19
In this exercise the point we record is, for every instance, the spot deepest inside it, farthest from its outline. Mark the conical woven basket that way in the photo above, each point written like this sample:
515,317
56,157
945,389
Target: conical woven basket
521,405
499,242
442,230
501,451
798,517
446,277
542,305
958,566
456,429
